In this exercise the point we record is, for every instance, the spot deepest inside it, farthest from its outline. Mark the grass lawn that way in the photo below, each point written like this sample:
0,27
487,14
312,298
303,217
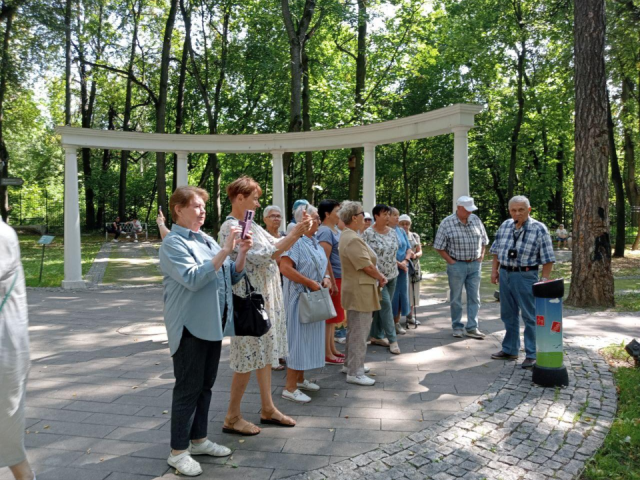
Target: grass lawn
131,266
619,457
53,271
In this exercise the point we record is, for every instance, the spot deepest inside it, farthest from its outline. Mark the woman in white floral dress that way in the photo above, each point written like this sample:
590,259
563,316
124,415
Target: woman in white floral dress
258,353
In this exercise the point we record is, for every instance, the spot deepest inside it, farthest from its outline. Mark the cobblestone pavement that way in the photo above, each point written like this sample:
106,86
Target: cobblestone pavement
99,399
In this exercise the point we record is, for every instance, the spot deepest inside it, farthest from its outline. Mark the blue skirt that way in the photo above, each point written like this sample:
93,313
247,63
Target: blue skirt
400,301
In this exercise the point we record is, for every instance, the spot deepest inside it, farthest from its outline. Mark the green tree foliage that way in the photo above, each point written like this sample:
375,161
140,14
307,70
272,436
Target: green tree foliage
515,58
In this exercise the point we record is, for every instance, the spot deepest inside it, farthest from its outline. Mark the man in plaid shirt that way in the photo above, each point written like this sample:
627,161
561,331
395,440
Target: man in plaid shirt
461,241
522,246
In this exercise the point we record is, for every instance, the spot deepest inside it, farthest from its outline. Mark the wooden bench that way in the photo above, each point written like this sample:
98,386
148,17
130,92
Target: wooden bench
127,229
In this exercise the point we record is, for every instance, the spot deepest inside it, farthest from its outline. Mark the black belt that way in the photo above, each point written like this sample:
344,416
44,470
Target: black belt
519,269
467,261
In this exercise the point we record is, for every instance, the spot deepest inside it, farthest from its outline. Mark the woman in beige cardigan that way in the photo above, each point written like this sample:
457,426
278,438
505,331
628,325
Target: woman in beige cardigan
361,283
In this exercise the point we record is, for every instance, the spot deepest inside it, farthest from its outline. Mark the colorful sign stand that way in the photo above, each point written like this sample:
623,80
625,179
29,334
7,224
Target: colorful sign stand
549,370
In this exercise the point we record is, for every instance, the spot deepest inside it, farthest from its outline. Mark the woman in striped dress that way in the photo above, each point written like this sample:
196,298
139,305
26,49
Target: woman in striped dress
304,265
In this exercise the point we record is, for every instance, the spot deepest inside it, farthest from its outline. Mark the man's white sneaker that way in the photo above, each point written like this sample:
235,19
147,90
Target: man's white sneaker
475,333
115,241
296,396
400,330
309,386
366,369
209,448
184,464
362,380
413,321
135,241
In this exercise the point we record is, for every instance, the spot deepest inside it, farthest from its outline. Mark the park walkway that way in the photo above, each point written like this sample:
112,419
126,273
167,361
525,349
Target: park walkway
99,401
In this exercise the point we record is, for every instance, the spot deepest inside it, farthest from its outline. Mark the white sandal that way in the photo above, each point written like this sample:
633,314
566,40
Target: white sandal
184,464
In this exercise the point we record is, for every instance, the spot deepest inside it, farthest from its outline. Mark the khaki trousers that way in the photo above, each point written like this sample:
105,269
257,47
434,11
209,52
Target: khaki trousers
358,326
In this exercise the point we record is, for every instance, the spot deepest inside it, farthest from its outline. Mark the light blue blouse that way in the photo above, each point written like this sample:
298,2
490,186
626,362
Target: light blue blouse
194,293
403,244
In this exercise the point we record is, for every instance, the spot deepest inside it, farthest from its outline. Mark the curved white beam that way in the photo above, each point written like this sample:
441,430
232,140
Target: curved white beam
436,122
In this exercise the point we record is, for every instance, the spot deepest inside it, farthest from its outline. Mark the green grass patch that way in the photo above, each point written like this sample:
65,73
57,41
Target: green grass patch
53,270
619,457
629,302
431,261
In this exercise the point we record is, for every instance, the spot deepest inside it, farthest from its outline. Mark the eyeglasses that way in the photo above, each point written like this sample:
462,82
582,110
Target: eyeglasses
368,219
275,215
360,213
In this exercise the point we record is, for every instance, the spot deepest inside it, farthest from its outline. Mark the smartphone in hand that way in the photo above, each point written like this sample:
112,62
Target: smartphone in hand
246,224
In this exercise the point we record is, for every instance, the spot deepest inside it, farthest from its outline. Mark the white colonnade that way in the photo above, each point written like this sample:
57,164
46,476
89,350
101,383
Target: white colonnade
457,119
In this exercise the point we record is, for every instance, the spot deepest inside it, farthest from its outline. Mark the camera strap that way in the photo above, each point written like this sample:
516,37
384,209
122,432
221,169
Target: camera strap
517,237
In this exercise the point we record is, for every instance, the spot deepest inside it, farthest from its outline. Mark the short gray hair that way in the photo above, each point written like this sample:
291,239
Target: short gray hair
348,210
270,209
394,211
519,199
298,214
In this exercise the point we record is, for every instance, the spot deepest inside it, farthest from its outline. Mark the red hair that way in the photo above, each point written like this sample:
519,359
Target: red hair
244,186
183,196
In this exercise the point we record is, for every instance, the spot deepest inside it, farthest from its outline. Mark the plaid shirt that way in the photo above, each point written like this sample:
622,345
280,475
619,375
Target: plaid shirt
461,241
533,244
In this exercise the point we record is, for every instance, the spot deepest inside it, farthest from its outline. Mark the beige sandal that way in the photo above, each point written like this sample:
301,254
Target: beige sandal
282,421
246,430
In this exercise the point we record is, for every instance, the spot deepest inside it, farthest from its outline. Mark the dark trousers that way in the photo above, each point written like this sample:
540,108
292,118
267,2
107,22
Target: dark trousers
195,366
116,231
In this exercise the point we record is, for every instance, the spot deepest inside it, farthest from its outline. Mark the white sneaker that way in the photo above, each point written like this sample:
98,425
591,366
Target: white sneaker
340,340
400,330
362,380
297,396
209,448
345,370
413,321
135,241
184,464
309,386
394,348
115,241
475,333
128,236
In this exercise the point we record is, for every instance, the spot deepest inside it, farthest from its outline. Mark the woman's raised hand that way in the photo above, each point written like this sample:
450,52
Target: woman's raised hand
160,220
303,226
246,244
233,239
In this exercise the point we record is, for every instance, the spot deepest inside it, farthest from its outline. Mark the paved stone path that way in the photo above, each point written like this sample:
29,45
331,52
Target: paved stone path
99,398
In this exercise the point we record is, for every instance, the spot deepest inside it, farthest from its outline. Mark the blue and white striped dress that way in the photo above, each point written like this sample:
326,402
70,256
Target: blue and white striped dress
306,341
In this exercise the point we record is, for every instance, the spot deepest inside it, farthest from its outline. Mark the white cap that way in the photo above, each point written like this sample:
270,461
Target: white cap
404,218
368,215
467,203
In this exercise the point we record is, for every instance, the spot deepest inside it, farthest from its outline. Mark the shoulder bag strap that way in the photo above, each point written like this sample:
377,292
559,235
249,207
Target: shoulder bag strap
6,297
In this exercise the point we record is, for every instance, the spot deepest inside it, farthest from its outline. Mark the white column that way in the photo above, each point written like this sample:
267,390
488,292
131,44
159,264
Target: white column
182,178
460,163
278,184
369,177
72,253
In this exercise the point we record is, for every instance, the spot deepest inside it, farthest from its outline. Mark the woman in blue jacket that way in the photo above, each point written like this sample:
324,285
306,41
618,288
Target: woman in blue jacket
196,270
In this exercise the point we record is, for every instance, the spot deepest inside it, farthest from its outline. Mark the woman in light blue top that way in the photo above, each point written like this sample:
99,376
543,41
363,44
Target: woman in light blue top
401,305
198,308
304,266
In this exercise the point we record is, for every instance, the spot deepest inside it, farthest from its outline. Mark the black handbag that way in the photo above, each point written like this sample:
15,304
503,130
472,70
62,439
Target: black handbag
250,319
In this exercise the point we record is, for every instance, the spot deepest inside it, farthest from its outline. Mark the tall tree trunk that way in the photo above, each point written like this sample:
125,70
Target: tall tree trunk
633,190
591,276
88,97
4,73
106,161
361,77
180,103
161,104
67,66
513,159
405,174
306,126
126,119
559,191
212,109
297,40
616,178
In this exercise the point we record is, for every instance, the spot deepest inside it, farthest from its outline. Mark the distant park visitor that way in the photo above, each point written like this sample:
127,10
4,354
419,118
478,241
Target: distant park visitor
521,247
562,236
115,228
